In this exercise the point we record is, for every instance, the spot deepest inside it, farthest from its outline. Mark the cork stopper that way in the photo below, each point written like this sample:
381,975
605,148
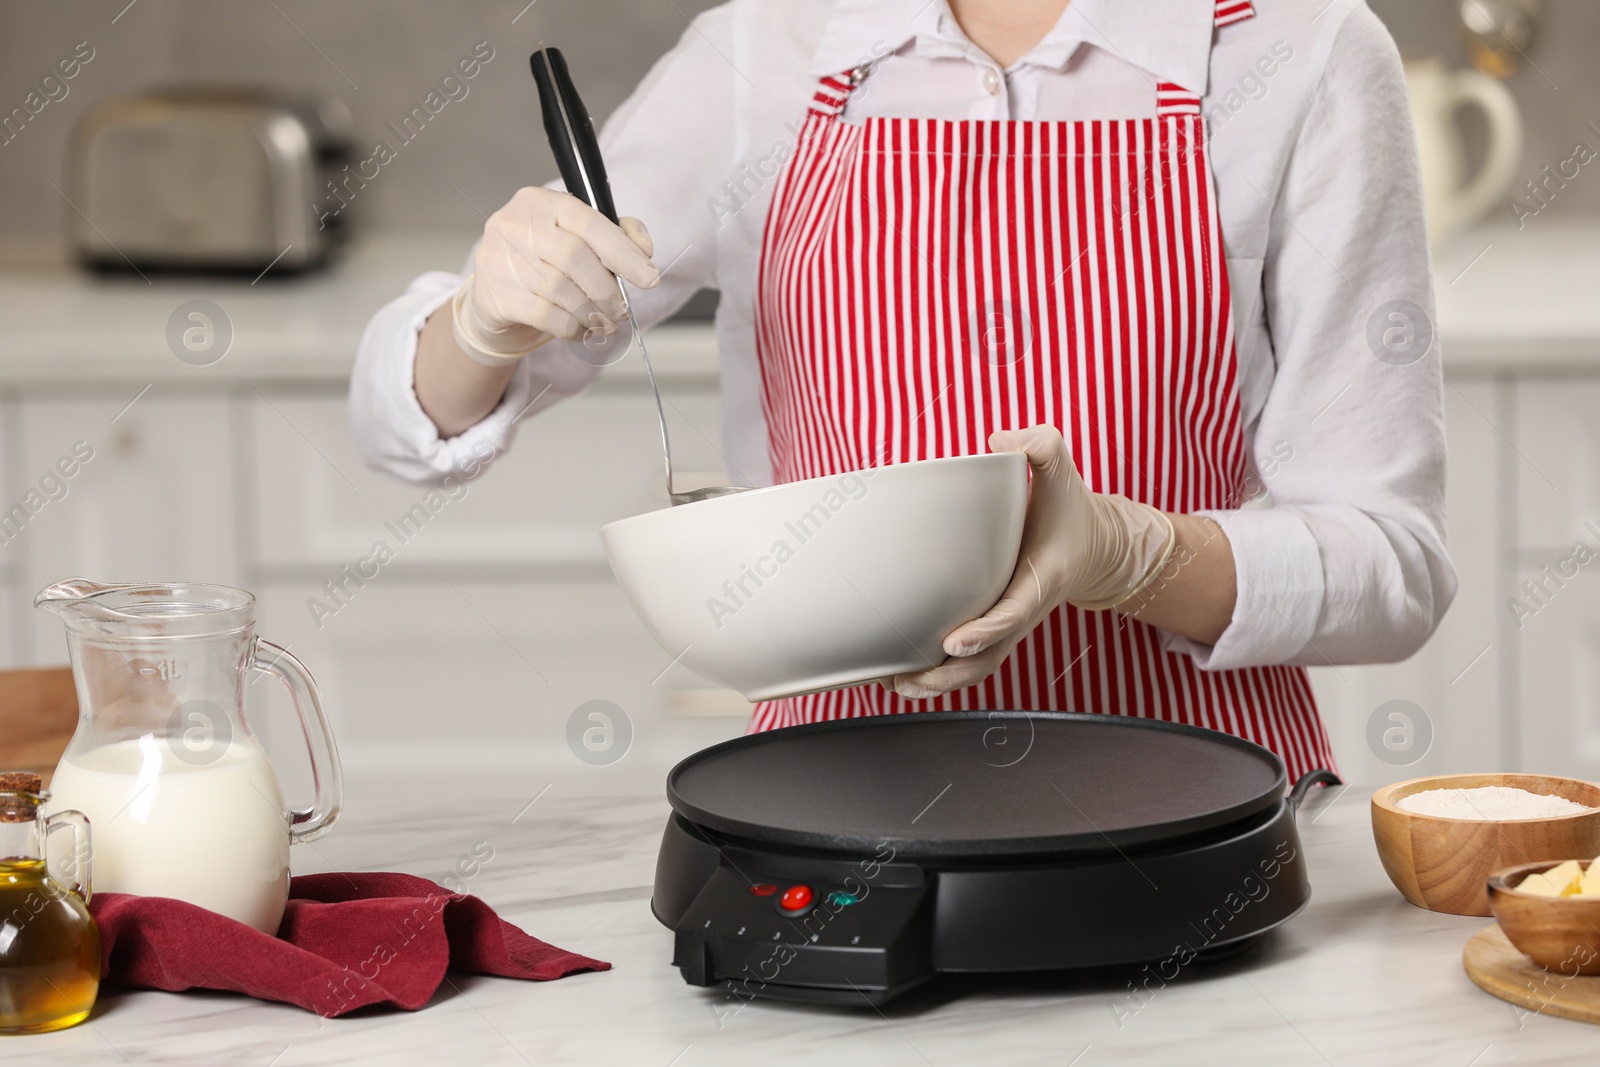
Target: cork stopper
19,796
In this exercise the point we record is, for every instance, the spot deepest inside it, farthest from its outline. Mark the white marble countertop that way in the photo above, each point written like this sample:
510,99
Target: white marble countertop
1360,977
1508,300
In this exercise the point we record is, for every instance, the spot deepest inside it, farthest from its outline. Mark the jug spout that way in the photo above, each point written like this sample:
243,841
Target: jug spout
74,598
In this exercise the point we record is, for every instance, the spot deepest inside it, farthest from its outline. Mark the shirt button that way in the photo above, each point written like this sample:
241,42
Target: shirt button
991,82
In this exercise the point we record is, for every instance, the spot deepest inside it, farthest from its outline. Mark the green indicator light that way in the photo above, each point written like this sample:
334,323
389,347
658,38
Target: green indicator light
840,898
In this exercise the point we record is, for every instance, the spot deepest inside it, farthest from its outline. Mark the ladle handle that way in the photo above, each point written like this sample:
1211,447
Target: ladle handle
571,132
307,824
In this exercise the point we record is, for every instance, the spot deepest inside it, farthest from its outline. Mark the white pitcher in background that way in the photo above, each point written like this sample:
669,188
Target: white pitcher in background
181,797
1453,198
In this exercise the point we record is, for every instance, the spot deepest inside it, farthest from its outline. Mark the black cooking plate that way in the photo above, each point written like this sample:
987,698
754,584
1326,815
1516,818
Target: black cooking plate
978,783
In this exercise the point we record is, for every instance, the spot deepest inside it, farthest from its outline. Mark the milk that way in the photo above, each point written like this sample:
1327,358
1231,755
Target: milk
216,835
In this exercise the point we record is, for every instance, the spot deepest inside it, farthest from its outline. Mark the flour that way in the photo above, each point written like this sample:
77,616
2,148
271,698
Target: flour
1493,802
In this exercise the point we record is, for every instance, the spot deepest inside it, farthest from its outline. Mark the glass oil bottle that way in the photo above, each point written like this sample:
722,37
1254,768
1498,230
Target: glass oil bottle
49,944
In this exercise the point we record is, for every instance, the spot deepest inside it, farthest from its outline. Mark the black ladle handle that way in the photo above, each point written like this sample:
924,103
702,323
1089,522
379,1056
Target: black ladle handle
571,132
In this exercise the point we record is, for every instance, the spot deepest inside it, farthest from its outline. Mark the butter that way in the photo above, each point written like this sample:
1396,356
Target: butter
1589,884
1539,885
1562,880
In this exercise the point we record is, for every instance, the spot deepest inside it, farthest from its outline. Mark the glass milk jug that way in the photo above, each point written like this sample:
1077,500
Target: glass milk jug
181,796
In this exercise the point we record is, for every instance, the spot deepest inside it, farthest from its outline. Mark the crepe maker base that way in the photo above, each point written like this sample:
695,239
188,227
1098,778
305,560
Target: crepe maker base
969,842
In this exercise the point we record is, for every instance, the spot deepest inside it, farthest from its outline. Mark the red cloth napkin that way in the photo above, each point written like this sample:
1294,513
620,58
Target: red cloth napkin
347,941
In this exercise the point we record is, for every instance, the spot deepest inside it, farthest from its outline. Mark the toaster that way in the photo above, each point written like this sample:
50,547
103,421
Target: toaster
207,178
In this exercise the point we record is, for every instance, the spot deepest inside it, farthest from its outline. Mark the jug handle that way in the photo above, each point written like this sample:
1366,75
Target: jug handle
82,854
1468,88
307,824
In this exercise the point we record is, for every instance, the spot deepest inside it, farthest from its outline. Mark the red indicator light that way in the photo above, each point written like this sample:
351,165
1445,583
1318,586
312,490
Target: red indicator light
796,898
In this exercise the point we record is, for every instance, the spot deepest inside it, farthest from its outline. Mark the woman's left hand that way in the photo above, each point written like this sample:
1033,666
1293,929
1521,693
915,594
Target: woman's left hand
1091,549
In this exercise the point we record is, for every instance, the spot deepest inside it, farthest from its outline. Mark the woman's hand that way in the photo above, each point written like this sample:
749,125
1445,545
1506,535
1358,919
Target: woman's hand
543,269
547,267
1091,549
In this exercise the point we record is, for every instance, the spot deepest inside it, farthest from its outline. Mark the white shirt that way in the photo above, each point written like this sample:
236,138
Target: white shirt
1316,181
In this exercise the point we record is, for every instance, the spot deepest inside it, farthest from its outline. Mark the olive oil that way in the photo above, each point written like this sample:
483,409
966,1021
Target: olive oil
49,951
49,943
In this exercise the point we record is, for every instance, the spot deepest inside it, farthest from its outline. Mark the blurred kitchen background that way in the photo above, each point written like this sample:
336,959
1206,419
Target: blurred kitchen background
497,621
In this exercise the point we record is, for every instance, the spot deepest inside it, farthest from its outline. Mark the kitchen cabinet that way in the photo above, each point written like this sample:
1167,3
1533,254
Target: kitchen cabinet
578,465
1550,606
487,672
1558,651
1556,428
149,497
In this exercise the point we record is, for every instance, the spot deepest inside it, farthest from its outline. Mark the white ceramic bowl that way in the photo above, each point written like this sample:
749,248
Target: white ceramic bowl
827,582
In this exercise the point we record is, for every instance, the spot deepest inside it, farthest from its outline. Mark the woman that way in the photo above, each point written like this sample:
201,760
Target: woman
1173,251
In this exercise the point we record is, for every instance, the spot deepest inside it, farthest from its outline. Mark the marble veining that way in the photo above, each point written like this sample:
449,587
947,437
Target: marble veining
1360,977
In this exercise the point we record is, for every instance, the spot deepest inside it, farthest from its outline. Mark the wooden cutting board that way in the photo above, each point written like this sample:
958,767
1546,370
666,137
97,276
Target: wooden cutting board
1497,967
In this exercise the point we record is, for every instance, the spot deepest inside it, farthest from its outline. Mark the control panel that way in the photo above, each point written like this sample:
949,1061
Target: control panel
803,936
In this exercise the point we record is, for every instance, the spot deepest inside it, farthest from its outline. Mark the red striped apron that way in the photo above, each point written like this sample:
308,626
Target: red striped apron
923,283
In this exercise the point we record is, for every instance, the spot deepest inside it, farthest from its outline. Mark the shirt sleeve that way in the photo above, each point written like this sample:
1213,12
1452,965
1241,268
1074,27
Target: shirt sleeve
1347,562
667,148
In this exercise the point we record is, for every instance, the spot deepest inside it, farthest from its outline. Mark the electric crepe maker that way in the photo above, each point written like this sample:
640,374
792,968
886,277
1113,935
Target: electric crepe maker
849,861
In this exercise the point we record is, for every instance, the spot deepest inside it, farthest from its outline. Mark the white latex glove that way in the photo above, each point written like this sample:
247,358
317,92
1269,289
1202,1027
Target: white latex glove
1091,549
547,267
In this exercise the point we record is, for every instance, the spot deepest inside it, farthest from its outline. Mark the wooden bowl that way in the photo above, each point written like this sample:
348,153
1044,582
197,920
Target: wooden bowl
1560,934
1444,864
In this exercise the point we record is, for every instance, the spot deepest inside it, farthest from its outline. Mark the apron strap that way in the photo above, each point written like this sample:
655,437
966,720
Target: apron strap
1231,11
1174,99
833,90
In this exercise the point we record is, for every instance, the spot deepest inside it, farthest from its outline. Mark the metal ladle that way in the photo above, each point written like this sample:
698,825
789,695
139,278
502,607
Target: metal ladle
577,151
